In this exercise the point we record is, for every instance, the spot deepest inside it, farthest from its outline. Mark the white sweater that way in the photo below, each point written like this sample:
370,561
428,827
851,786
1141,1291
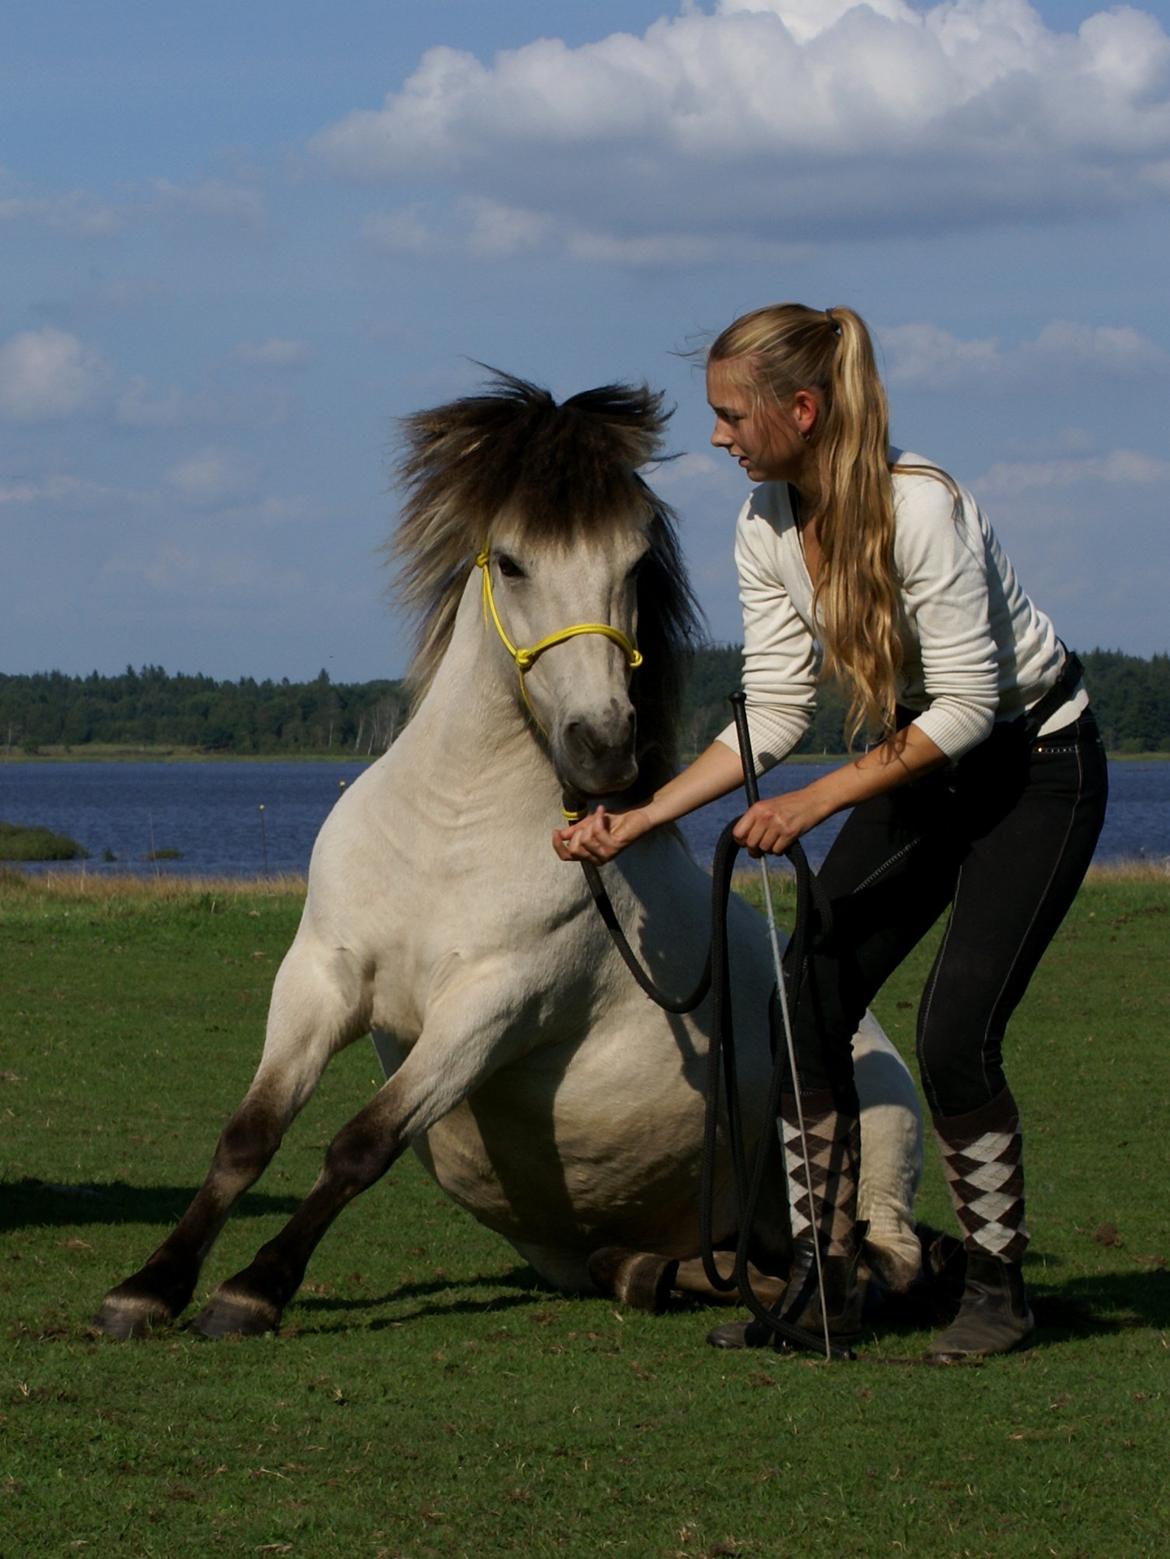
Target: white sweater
975,649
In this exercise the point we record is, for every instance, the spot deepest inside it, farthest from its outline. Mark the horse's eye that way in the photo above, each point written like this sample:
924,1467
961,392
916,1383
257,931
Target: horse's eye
508,567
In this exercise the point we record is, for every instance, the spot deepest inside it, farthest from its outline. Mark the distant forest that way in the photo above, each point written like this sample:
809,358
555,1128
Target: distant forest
150,709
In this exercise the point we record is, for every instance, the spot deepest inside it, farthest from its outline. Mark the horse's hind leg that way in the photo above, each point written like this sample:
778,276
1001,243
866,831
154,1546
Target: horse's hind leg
313,1014
691,1279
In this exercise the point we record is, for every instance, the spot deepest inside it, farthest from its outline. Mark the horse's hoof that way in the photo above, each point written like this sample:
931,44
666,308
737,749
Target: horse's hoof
127,1316
228,1314
136,1307
639,1279
740,1334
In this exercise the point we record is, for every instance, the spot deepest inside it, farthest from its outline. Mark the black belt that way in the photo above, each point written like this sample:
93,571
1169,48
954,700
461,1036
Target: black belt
1069,676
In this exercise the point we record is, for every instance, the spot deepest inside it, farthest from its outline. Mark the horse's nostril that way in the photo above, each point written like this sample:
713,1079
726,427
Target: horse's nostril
582,739
598,738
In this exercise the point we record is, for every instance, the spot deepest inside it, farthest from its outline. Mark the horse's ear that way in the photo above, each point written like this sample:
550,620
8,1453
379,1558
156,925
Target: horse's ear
634,415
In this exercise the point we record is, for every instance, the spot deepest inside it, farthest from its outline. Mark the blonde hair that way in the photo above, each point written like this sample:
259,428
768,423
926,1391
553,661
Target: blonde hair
785,348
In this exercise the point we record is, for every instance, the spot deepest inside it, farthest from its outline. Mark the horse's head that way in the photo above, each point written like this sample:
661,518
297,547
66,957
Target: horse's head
567,616
583,583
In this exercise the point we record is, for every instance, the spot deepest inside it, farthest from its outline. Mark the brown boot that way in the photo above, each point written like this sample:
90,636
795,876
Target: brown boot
993,1317
984,1163
801,1306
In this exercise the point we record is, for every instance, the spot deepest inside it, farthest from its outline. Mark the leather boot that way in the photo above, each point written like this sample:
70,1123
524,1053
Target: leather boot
800,1306
993,1317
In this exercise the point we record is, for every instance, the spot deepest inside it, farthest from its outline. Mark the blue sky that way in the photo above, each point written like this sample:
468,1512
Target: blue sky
236,242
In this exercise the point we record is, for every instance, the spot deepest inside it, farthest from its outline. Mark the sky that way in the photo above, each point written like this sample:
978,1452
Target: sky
237,242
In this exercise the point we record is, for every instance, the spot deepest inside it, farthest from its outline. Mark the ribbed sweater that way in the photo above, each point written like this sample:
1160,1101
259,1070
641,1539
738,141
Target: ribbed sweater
975,648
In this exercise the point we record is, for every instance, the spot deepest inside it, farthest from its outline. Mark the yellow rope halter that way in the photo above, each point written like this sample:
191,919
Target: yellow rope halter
526,656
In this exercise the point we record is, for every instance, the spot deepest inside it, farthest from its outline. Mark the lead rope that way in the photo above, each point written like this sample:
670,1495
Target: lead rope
811,904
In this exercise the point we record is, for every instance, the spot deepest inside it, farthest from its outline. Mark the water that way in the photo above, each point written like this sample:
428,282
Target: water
1137,825
211,812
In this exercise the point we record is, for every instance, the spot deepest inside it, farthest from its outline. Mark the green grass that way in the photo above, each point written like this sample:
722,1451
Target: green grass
427,1398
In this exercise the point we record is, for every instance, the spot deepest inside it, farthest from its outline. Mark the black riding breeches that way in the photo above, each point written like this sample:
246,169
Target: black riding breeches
1004,837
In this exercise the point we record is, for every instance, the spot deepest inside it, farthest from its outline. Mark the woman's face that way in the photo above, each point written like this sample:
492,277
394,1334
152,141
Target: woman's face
764,437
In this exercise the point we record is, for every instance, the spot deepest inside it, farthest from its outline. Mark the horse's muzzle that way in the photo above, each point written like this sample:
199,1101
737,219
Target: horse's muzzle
597,752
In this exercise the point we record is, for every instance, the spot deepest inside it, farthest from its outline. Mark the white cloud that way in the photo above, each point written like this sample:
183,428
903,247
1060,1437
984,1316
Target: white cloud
214,476
670,475
405,231
777,120
49,489
498,232
925,356
236,205
928,356
141,404
74,213
177,569
1106,348
47,374
1117,468
807,19
275,352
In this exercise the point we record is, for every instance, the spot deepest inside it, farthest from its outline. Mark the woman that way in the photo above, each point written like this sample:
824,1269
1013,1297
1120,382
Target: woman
985,790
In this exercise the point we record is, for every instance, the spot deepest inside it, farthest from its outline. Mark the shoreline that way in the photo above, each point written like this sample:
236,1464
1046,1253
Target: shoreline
59,882
164,755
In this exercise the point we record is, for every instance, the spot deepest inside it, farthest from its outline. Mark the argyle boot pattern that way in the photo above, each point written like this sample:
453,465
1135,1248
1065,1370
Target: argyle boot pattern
823,1209
822,1201
982,1156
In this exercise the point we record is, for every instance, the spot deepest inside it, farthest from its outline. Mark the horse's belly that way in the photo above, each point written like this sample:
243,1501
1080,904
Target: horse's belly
603,1150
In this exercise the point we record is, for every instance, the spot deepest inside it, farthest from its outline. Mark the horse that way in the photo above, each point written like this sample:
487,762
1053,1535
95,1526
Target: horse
541,1089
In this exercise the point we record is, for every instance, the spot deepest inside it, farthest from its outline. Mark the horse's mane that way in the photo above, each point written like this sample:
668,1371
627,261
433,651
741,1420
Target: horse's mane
559,472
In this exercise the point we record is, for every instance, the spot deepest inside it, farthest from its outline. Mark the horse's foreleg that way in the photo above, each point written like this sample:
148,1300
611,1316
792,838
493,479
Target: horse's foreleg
445,1064
311,1016
252,1301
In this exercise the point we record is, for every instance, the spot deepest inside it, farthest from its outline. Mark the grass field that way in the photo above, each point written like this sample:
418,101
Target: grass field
425,1398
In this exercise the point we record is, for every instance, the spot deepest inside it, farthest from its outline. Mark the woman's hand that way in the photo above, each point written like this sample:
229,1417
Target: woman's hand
769,827
601,835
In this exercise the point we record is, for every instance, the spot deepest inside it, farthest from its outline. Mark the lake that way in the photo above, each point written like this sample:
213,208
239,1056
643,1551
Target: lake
246,819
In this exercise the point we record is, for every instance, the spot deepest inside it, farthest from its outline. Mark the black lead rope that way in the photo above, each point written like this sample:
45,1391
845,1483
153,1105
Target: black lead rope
812,906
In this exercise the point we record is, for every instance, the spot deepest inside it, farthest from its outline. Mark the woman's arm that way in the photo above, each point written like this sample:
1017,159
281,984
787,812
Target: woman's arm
779,677
601,835
771,826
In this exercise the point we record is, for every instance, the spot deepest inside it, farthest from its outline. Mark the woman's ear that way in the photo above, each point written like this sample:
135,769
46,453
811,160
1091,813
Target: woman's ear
806,409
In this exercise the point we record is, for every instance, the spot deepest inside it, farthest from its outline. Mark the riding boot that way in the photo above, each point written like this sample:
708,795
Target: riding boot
823,1208
983,1160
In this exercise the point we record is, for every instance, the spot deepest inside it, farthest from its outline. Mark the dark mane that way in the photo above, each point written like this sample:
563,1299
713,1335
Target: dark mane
559,472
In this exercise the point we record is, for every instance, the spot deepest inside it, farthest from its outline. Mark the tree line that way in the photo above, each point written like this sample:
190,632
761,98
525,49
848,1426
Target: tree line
150,708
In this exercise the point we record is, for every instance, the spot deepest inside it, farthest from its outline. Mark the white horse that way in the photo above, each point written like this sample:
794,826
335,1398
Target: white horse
538,1085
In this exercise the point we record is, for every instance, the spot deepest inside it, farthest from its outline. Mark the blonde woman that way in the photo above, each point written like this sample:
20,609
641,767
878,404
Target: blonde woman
983,789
